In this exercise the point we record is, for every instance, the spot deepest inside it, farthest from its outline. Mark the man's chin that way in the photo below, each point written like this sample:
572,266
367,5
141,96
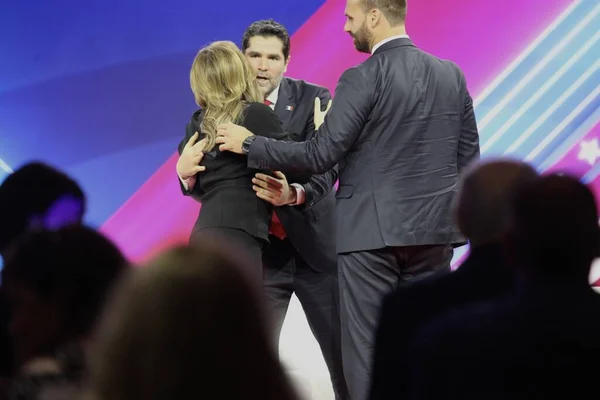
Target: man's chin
361,48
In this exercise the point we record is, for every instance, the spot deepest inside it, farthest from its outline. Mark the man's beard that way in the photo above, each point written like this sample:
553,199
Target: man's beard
266,91
362,39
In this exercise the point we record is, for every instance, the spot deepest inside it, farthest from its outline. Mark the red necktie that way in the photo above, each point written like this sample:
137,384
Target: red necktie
275,228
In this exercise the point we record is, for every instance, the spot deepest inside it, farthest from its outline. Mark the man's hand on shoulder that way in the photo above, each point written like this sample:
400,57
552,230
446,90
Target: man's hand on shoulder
231,137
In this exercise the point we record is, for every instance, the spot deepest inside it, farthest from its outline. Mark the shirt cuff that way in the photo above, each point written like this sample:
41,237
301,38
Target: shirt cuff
300,194
184,183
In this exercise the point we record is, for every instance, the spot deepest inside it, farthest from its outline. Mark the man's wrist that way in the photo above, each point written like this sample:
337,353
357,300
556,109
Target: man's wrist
246,144
187,183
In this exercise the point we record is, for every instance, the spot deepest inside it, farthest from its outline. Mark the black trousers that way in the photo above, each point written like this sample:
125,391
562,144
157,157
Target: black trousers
285,273
365,278
237,239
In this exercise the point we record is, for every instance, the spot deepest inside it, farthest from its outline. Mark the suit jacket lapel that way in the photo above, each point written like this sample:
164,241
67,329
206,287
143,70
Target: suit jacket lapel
285,103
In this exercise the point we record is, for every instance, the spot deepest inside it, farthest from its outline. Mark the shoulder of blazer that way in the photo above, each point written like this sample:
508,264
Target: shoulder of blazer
194,123
196,118
300,88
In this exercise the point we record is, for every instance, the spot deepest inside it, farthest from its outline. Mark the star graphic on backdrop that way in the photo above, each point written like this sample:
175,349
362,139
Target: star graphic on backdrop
589,151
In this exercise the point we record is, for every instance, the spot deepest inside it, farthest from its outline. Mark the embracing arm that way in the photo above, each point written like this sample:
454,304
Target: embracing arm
190,156
189,131
319,186
343,124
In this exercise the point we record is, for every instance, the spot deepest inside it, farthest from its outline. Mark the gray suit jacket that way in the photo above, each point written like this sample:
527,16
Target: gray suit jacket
402,128
311,226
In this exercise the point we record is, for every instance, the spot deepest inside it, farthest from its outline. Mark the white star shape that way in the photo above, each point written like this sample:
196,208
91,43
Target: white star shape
589,151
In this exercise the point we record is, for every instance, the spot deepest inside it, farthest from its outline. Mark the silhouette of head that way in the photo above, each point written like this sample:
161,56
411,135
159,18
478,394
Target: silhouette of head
56,283
37,194
485,195
179,325
555,227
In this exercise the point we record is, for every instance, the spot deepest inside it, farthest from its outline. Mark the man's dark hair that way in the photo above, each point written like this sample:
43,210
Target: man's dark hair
29,191
76,263
393,10
266,28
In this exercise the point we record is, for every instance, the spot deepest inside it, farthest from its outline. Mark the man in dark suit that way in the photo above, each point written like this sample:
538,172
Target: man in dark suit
301,258
483,214
402,128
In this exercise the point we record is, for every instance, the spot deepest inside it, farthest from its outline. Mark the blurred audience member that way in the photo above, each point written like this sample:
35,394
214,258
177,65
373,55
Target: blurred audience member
37,194
56,283
188,326
34,195
482,213
543,340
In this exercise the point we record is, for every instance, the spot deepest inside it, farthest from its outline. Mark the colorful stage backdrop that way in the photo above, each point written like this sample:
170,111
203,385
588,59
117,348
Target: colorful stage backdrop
100,88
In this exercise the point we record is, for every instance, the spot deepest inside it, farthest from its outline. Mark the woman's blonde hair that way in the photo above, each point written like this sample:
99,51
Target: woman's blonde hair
223,83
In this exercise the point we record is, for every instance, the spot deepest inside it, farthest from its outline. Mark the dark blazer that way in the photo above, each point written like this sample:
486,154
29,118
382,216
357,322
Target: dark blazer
225,187
402,127
540,342
311,226
483,276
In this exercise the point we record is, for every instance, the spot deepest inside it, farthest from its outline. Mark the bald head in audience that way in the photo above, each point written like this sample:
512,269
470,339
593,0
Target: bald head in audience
486,191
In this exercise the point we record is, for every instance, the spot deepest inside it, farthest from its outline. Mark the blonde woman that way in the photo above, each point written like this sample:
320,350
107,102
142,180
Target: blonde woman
187,326
224,86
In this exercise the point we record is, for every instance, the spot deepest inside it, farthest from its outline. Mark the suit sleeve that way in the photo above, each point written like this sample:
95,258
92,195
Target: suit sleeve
343,124
319,185
468,144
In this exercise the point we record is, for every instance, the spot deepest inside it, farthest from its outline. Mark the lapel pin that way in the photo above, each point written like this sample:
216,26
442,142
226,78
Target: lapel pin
289,108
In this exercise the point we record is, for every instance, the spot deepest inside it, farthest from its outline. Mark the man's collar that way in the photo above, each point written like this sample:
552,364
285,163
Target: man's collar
274,95
389,39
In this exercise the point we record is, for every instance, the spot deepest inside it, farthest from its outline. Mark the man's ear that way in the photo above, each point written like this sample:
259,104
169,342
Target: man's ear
374,17
287,62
